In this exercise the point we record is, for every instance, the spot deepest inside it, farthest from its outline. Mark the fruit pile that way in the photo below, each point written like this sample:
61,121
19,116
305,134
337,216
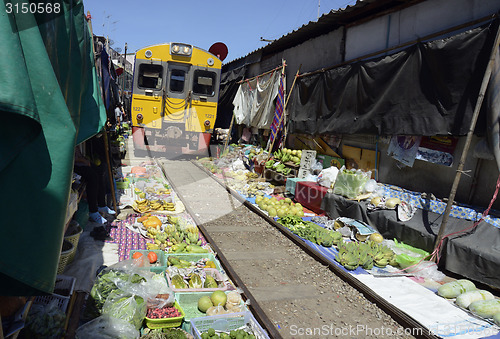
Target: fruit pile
164,312
365,254
279,208
177,231
220,303
140,259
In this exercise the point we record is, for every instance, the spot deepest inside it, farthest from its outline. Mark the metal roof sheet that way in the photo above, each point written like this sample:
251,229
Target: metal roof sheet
330,21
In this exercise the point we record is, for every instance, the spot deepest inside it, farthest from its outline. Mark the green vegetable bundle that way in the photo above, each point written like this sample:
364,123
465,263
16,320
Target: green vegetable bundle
125,306
106,282
350,183
310,231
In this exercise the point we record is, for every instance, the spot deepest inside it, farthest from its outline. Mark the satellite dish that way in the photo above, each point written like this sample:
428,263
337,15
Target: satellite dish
219,49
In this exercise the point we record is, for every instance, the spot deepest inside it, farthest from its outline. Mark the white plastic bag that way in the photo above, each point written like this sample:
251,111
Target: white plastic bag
106,326
328,176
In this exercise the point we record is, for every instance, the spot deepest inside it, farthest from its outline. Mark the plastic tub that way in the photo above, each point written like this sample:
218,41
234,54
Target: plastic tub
213,272
195,257
189,303
64,286
160,262
166,322
227,323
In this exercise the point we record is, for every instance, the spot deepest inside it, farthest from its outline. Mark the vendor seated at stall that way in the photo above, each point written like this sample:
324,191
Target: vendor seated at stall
93,175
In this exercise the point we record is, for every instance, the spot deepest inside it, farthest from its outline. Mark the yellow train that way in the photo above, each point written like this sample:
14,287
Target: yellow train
174,98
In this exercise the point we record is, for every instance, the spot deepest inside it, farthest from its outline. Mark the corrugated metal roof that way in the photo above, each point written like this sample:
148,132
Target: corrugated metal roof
328,22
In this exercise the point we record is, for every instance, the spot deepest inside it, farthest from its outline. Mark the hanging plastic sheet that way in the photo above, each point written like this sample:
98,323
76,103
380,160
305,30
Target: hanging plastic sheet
49,97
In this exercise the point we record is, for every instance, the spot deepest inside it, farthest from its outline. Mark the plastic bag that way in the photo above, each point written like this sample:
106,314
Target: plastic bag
316,167
370,186
123,274
45,321
350,183
126,306
105,327
328,176
427,270
162,293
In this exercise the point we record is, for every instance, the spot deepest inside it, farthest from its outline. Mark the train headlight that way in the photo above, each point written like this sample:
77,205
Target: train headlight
181,49
207,123
139,117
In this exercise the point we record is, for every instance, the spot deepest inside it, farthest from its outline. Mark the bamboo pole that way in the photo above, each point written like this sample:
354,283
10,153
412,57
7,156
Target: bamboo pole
270,71
105,132
470,133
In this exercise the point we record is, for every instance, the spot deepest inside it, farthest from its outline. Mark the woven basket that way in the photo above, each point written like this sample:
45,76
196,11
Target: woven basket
67,250
73,236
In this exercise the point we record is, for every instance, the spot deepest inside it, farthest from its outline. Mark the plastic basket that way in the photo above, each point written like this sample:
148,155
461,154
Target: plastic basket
195,257
68,249
213,272
227,323
160,262
189,303
64,286
62,302
166,322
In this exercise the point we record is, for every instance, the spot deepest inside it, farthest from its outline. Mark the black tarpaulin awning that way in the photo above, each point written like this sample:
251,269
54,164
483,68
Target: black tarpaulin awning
429,88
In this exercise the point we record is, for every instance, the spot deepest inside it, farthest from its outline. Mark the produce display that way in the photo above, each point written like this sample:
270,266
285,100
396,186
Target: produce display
220,303
453,289
165,333
235,334
485,308
163,312
126,306
194,278
168,231
279,208
364,254
107,282
311,231
465,299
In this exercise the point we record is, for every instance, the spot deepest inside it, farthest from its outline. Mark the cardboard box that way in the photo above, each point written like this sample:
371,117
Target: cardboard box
328,161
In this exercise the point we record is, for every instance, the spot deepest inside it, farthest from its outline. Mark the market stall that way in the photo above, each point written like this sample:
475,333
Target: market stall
365,235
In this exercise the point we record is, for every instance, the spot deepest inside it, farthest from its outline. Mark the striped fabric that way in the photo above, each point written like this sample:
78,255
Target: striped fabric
277,123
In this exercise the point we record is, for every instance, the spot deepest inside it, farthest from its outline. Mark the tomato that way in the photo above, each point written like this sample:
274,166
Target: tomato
136,255
152,257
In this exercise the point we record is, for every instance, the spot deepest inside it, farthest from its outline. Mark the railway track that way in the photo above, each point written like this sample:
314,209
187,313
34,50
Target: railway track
293,291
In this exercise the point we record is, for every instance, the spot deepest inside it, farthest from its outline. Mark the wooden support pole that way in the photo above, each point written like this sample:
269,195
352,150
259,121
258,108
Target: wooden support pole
468,140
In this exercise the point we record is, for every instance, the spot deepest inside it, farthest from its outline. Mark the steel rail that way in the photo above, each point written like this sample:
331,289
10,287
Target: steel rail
259,313
399,316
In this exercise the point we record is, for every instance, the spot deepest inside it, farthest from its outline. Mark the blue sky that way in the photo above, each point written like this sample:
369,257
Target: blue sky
239,24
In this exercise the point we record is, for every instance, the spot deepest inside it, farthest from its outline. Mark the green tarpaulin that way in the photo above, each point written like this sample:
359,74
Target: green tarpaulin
49,101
